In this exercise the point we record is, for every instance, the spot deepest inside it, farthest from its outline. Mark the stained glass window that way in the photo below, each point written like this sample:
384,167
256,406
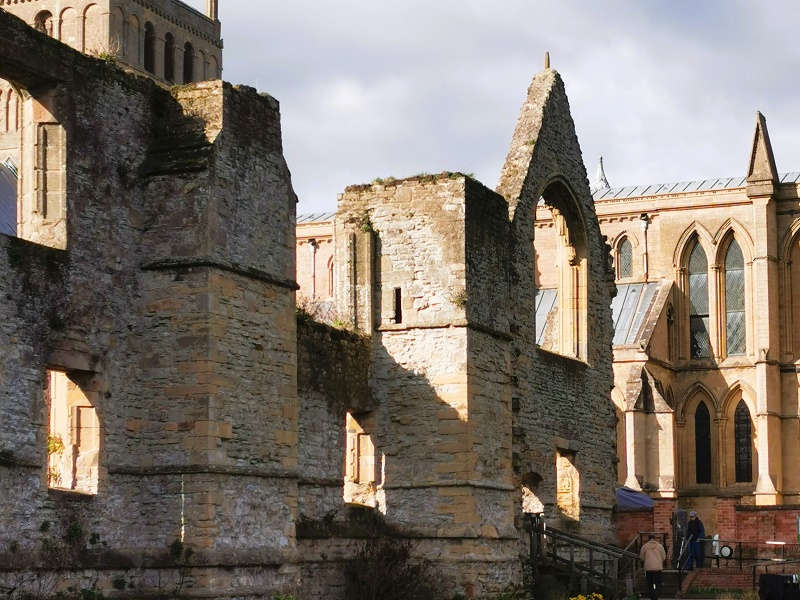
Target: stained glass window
698,303
734,300
702,441
625,257
743,437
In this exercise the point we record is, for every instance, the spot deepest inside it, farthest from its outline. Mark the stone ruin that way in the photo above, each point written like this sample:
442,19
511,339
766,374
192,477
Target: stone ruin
171,425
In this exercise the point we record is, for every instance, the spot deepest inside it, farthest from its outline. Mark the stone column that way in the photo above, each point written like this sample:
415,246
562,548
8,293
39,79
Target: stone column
762,181
767,342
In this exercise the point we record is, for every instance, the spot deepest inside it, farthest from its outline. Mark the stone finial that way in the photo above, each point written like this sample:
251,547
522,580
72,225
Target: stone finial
546,60
600,182
762,160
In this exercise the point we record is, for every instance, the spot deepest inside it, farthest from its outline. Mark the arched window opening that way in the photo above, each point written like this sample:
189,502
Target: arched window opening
188,63
43,22
698,303
743,443
561,257
169,58
73,440
625,259
133,42
119,37
531,504
735,326
149,48
11,109
201,64
94,41
70,28
702,443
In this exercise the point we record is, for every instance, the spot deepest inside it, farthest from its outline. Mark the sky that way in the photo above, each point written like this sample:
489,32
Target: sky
664,90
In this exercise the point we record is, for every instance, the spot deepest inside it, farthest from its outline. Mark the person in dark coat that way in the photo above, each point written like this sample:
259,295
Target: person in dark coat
695,533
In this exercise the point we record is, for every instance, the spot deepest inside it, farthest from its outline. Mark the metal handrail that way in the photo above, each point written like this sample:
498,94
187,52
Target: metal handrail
603,570
773,563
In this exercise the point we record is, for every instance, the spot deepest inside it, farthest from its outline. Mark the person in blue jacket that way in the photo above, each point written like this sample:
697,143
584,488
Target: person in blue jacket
695,533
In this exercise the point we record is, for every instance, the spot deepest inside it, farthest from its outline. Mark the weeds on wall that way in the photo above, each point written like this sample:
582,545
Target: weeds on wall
385,567
309,311
61,547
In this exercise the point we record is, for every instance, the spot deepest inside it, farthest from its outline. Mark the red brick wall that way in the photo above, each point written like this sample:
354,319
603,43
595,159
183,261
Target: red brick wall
723,579
663,508
726,519
759,524
630,522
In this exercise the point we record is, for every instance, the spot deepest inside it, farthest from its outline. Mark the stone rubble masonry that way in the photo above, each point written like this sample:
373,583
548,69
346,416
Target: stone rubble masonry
174,293
560,402
437,271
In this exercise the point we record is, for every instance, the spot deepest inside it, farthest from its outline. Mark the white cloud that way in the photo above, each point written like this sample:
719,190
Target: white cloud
664,90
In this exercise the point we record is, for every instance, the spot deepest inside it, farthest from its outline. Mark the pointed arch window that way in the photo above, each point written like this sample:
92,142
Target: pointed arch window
625,259
698,303
743,440
702,443
734,301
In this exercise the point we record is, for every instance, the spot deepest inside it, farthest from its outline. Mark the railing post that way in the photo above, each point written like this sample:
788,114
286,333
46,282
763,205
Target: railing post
535,539
741,560
571,565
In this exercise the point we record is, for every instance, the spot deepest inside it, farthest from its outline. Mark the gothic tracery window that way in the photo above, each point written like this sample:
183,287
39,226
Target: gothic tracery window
625,259
734,301
698,303
561,253
702,443
743,443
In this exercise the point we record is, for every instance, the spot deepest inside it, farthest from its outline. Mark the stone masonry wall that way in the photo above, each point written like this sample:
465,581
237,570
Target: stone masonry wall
172,305
441,384
560,402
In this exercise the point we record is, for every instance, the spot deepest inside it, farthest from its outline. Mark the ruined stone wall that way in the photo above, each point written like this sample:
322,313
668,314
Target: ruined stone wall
333,378
441,383
172,305
560,403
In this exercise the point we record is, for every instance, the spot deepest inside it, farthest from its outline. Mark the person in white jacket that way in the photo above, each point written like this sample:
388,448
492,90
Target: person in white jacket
653,556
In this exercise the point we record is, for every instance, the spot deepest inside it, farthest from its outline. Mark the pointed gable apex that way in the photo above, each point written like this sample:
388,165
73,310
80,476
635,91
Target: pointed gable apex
762,162
526,134
544,147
